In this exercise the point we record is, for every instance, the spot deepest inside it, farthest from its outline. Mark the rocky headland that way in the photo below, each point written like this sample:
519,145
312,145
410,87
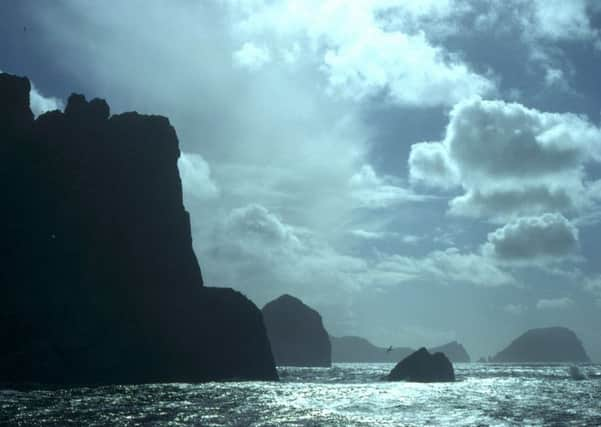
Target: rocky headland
98,280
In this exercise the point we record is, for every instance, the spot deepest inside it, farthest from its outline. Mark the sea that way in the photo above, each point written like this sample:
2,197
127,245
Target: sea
343,395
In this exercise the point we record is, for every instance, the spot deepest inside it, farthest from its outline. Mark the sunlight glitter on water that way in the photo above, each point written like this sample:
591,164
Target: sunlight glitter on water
345,395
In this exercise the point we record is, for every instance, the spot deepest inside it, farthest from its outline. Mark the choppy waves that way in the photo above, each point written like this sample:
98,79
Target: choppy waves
346,394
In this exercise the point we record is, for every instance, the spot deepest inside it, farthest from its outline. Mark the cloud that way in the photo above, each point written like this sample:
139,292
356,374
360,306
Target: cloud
264,256
251,57
372,191
554,76
540,20
548,237
554,304
362,55
506,203
429,164
371,235
255,225
509,160
411,239
40,104
560,20
195,174
592,285
444,267
515,309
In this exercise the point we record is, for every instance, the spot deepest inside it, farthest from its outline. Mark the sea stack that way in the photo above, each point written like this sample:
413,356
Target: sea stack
556,344
296,333
454,351
424,367
98,280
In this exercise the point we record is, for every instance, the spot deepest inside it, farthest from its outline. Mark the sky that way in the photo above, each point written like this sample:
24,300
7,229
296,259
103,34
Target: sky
419,171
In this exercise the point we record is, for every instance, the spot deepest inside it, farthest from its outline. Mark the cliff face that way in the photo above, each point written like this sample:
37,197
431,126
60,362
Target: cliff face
296,333
555,344
98,280
454,351
352,349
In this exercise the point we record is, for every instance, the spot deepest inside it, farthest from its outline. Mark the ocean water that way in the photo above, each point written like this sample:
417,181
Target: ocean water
344,395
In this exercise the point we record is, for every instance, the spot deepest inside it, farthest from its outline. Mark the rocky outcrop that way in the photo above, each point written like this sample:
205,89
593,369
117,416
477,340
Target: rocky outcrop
556,344
422,366
296,333
98,279
454,351
351,349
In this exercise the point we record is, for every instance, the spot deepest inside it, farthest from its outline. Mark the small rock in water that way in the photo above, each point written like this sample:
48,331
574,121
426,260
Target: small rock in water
421,366
576,373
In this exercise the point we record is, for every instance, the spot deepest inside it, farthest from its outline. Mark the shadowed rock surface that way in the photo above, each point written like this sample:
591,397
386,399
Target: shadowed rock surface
454,351
351,349
556,344
98,279
296,333
422,366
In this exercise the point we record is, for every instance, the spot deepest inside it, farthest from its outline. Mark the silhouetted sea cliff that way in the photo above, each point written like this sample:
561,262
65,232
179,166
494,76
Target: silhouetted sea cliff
98,279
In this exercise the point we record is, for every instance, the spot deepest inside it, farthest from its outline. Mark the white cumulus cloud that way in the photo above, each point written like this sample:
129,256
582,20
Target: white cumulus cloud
251,56
362,55
40,104
196,176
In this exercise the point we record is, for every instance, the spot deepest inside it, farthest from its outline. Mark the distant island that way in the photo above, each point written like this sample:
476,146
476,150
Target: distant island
454,351
555,344
296,333
352,349
98,280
